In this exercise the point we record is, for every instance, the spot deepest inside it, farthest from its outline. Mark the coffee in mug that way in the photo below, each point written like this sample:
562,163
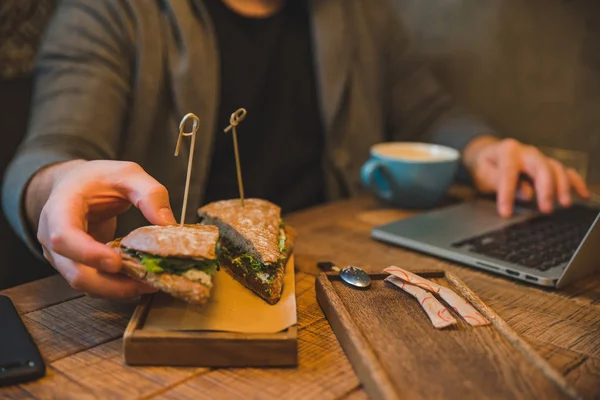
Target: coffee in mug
409,174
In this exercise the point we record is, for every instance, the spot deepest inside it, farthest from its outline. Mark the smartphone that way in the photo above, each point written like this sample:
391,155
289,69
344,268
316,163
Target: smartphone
20,359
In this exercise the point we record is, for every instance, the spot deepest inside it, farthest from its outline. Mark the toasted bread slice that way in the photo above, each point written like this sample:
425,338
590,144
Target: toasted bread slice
176,285
268,286
189,241
254,227
251,244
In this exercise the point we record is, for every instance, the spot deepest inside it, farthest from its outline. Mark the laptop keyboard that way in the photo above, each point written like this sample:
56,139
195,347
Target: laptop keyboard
541,242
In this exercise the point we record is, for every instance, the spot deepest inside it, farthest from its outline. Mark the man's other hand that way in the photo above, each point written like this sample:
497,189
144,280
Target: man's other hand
500,165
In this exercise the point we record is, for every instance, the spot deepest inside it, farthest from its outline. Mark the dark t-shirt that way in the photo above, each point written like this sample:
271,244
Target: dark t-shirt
267,68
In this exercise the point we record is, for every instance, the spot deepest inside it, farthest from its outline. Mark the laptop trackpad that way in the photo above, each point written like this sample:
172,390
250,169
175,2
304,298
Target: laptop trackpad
453,224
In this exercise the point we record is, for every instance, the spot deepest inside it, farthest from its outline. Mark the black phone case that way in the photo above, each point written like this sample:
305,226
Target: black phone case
20,359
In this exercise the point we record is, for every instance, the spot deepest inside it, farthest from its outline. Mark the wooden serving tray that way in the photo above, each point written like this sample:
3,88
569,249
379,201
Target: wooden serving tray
397,353
206,349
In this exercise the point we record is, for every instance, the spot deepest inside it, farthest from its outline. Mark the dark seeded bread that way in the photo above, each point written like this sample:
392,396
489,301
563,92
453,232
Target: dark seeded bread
254,227
270,292
175,285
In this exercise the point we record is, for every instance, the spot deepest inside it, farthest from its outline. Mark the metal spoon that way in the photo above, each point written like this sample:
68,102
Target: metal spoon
351,275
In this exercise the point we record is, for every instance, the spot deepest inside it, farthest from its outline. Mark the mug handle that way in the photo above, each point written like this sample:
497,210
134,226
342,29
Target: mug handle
367,172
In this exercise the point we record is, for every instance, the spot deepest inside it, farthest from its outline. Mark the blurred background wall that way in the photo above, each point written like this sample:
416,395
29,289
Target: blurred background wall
532,67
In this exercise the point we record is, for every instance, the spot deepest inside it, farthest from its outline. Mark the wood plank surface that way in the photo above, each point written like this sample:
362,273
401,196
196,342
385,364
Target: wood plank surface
543,315
392,337
76,325
78,340
357,394
41,293
586,378
53,345
57,386
14,393
560,359
212,349
102,371
567,319
323,372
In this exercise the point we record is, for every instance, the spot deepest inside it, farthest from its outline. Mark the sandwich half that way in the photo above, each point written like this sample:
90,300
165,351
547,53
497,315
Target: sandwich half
254,243
177,260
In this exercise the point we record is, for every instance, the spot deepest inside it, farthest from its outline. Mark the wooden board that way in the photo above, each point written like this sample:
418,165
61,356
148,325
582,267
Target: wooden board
206,349
397,353
80,337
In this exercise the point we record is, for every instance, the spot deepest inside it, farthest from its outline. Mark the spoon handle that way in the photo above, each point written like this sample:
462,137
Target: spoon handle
327,266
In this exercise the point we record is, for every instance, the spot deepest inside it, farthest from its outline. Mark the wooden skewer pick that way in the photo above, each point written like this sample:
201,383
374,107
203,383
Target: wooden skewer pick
182,133
235,119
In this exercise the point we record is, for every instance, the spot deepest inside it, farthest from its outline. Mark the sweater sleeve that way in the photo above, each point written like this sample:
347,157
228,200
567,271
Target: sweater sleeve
82,90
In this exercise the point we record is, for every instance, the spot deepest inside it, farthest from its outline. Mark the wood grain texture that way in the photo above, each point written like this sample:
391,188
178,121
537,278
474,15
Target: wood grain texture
559,320
563,326
357,394
53,345
377,380
561,360
511,336
56,385
212,349
341,232
41,293
69,327
397,340
102,371
14,393
206,349
586,378
323,372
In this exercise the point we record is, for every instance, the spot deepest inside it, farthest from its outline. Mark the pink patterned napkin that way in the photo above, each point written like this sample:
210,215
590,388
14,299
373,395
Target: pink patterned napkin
438,314
462,307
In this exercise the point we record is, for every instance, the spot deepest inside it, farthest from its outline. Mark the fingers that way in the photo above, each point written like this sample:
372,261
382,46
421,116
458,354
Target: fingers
103,231
82,207
563,187
62,230
509,167
536,165
149,196
97,283
578,183
94,196
525,192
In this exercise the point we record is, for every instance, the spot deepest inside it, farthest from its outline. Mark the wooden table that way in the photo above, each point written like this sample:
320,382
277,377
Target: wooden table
80,337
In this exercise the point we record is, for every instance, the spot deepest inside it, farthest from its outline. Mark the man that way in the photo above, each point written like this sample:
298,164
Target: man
322,82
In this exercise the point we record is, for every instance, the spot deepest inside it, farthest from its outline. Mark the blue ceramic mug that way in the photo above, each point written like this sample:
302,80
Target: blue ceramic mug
410,175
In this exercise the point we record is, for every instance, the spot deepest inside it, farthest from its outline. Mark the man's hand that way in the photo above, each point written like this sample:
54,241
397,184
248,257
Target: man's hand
499,166
80,216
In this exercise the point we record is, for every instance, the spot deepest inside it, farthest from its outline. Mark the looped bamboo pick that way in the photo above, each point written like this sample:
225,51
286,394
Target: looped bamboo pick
237,117
182,133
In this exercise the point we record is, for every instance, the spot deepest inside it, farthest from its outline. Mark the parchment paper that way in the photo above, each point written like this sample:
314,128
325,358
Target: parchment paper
231,308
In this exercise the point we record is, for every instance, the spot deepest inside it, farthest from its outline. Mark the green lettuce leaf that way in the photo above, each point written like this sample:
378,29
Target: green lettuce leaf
152,264
177,266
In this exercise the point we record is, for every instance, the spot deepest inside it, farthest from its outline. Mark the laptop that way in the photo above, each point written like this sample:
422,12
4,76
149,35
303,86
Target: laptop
550,250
